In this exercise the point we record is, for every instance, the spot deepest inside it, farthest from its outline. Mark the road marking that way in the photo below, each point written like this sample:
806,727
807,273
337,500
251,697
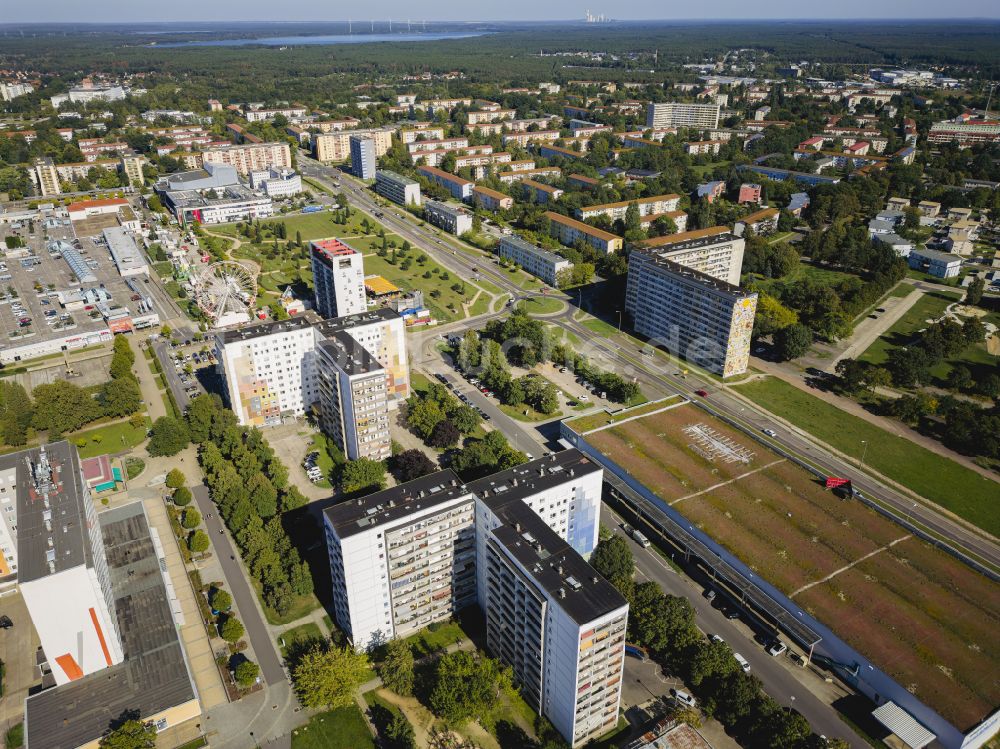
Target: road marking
848,566
726,483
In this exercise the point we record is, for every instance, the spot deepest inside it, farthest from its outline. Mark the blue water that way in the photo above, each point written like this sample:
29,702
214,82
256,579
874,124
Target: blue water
283,41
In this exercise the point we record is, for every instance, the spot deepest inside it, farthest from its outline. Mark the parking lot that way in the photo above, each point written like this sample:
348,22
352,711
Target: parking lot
187,366
42,297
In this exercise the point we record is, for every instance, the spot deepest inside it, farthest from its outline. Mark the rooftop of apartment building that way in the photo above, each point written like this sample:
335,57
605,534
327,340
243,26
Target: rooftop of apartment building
395,177
154,675
501,489
361,515
560,571
580,226
626,203
308,319
689,274
349,355
51,519
690,239
332,248
534,249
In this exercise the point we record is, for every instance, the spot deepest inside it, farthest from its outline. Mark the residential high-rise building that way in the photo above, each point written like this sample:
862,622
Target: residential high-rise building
514,541
363,159
250,157
677,114
47,177
692,314
336,146
397,188
131,166
715,251
557,623
338,278
306,364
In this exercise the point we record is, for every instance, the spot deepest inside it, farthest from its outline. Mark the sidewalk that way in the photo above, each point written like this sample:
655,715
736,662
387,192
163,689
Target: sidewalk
147,386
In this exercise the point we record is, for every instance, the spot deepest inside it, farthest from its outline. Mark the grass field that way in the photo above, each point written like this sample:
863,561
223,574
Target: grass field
344,728
447,305
111,438
603,418
297,635
542,305
921,615
938,479
929,307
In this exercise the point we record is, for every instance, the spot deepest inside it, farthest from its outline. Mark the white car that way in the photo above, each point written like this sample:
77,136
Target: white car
684,698
743,662
770,433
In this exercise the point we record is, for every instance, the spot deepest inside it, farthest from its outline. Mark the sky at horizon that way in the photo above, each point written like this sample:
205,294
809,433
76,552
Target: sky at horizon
110,11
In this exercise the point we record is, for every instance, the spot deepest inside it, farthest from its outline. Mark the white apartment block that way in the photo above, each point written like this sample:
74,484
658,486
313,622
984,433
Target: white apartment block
568,230
277,183
397,188
454,220
518,170
10,91
676,114
524,138
479,117
250,157
418,147
266,115
558,624
381,545
409,135
276,369
541,263
47,177
460,189
336,146
690,313
338,278
715,251
617,211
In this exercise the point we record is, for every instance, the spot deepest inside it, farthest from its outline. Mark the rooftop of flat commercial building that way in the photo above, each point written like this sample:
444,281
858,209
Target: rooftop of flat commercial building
308,319
361,515
554,566
154,675
500,489
51,511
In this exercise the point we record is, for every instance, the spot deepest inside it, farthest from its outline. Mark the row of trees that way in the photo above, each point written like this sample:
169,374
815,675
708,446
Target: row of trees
665,626
61,406
249,485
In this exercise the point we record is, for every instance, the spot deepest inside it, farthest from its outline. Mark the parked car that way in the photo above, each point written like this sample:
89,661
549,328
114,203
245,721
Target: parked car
640,538
683,698
776,647
743,662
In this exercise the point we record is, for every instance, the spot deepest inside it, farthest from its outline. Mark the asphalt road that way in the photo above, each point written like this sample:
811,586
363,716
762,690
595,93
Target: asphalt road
774,672
657,375
246,600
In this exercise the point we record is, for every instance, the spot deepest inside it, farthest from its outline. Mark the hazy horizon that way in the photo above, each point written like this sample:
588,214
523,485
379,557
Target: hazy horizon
259,11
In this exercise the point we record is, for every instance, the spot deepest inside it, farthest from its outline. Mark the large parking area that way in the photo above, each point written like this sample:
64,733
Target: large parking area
42,298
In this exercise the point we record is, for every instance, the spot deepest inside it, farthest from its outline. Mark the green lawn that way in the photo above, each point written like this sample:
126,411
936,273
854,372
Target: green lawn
802,271
929,307
110,438
600,327
317,225
603,418
938,479
481,306
447,305
344,728
298,635
542,305
524,412
324,461
426,641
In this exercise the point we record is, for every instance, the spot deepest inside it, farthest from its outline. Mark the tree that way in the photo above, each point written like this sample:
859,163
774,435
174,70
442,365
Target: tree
220,600
61,406
120,397
399,733
960,378
397,667
231,629
363,475
198,542
771,316
467,685
613,558
191,519
200,411
169,436
412,464
175,479
422,415
792,342
132,734
711,659
246,673
465,418
16,412
445,434
974,292
182,496
328,677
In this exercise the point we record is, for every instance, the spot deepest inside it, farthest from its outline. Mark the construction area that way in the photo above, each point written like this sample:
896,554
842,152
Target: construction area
926,619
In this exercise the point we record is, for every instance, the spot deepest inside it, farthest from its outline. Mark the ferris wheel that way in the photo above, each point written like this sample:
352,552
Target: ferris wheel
226,291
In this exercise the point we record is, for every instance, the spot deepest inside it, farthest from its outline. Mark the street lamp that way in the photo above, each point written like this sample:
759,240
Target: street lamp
864,452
